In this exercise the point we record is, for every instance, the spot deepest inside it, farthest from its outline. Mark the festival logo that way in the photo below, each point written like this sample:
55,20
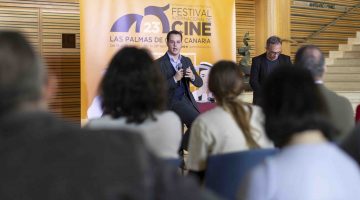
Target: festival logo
124,23
148,29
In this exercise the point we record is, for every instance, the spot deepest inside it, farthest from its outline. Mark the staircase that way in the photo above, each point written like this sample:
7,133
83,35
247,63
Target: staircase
343,70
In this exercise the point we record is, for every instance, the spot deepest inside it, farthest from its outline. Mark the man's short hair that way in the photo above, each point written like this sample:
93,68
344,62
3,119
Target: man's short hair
307,57
173,32
22,74
273,40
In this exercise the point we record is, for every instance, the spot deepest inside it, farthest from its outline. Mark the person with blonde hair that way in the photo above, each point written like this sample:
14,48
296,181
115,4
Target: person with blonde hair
231,126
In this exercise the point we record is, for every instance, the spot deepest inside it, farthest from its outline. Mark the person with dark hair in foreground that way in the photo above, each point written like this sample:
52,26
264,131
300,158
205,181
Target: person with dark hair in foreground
230,127
133,96
264,64
179,72
308,166
43,157
67,163
341,113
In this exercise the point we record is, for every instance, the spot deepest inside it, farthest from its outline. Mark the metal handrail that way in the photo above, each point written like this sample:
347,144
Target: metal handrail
330,24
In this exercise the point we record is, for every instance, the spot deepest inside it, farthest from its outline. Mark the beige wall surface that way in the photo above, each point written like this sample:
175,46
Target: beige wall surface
338,19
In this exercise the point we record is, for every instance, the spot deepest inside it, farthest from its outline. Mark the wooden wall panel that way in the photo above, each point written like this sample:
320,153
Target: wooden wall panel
64,63
245,22
44,22
24,19
306,20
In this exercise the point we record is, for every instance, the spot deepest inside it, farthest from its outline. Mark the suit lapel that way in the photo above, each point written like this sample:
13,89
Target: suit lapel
281,60
168,66
184,64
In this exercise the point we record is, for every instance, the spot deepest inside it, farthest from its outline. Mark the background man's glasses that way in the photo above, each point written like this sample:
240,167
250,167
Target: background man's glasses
274,53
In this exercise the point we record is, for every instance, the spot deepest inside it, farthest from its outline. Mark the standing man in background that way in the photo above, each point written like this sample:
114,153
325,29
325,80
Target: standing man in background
179,72
263,64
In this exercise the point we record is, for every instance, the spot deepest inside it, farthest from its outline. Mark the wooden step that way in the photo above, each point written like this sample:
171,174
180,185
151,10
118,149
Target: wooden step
351,77
344,54
329,61
343,70
348,47
346,61
353,40
343,86
348,69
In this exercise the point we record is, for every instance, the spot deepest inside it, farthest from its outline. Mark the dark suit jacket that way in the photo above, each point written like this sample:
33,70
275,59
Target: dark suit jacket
166,69
341,113
259,72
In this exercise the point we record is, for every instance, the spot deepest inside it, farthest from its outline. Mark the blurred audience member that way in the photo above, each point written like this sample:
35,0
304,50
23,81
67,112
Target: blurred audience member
25,89
43,157
308,165
133,96
230,127
341,113
85,164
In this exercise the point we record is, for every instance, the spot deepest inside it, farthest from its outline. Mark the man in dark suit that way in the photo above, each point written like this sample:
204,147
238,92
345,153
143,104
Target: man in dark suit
263,64
341,113
179,72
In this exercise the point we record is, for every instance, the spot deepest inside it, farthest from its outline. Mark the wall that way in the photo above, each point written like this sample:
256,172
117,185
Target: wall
306,20
272,18
245,22
43,22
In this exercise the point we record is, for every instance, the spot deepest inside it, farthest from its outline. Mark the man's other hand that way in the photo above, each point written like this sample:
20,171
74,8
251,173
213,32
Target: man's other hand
179,75
189,74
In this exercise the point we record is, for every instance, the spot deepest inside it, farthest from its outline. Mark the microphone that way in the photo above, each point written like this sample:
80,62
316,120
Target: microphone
179,66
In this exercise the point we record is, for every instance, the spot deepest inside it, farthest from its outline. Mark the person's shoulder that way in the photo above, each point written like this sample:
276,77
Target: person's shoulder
256,108
329,94
257,111
341,156
35,123
285,57
184,57
259,57
168,115
213,115
106,122
187,59
161,58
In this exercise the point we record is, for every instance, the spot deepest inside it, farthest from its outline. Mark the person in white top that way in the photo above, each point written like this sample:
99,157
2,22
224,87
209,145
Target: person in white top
230,127
133,96
308,166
